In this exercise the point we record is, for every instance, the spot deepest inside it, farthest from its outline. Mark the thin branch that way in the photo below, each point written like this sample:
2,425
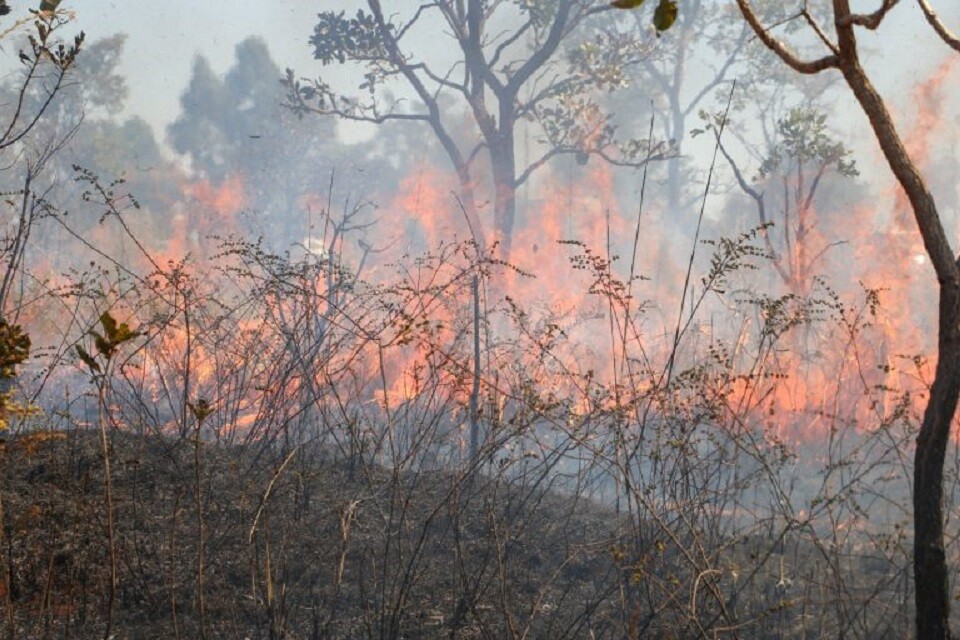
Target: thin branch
415,17
872,20
782,50
760,200
945,34
362,114
536,164
503,46
819,31
443,81
633,164
476,150
540,57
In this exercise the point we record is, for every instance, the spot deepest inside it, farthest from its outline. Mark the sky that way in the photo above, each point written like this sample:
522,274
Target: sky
165,37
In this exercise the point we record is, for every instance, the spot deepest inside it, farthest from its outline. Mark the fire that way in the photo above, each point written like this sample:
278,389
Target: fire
205,210
225,199
425,201
894,258
570,342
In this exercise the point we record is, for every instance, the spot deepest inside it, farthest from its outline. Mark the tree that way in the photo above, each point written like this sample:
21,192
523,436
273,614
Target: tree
804,153
81,128
24,145
931,581
501,77
234,126
702,33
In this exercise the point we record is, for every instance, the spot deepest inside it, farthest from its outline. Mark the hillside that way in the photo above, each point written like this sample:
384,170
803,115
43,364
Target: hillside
294,545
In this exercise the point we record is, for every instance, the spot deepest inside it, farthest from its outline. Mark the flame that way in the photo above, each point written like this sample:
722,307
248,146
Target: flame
814,380
226,199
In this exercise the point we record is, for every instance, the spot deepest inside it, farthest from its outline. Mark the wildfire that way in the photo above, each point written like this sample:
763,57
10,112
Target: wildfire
225,199
811,381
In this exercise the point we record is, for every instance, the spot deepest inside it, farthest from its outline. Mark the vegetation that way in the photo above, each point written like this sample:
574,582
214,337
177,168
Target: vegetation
244,394
503,77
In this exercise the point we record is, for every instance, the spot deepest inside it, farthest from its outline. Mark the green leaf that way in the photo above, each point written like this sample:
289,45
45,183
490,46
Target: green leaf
88,359
109,325
665,15
124,333
201,410
626,4
14,346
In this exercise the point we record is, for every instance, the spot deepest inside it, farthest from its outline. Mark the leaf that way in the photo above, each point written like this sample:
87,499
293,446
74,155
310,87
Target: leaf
104,346
665,15
88,359
109,325
201,410
626,4
125,334
14,347
115,334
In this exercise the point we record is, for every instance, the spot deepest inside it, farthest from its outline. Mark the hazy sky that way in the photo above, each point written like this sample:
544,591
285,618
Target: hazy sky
165,37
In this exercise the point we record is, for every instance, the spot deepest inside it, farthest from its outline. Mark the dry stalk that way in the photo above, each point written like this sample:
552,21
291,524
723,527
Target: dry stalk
108,498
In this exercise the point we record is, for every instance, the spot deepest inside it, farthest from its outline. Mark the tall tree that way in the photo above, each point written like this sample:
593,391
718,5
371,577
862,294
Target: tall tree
236,125
841,53
702,41
508,69
785,190
85,131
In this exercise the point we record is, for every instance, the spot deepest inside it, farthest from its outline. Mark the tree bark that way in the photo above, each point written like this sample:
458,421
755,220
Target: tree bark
932,586
931,581
503,168
932,589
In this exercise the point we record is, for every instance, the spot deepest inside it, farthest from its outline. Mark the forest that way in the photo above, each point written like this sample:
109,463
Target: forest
524,319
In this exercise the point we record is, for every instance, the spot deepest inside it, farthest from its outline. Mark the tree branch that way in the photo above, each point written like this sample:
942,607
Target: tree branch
443,81
433,117
871,20
817,29
503,46
758,198
412,21
536,164
541,55
945,34
781,49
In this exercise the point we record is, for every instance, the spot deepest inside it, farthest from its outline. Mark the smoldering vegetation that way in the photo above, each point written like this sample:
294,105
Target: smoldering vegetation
266,383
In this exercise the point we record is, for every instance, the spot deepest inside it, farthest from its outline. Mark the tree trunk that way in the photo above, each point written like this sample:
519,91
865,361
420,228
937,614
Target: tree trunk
932,589
469,204
503,167
475,390
932,595
930,570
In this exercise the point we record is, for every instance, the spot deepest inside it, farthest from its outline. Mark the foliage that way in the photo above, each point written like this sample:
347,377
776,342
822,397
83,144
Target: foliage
663,16
14,347
503,80
339,39
803,137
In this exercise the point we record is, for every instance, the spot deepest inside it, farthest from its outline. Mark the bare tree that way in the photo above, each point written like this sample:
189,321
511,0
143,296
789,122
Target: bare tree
502,75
